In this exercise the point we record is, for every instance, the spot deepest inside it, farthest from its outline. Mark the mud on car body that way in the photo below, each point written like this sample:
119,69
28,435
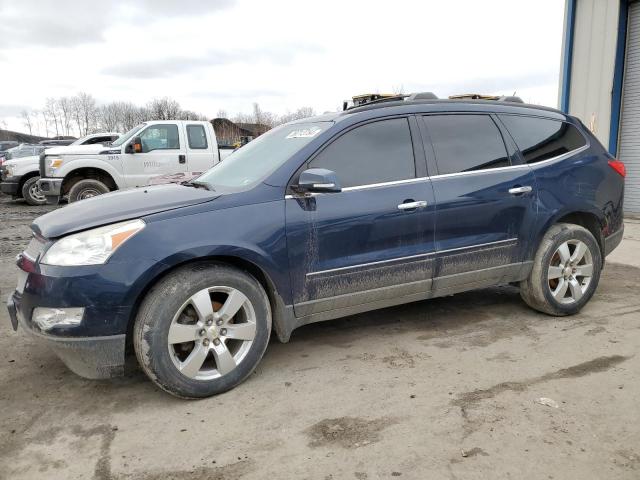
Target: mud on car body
321,218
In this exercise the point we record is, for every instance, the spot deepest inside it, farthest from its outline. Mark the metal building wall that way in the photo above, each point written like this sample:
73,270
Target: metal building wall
629,144
593,62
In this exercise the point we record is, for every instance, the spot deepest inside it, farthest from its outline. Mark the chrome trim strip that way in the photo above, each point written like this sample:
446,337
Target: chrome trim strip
515,167
361,265
508,240
410,257
384,184
363,187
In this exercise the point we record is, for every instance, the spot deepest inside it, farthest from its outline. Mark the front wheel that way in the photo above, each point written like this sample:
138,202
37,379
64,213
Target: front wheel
202,330
565,273
87,188
31,192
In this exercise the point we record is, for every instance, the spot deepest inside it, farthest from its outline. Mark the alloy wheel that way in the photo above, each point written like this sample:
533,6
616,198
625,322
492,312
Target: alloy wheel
212,333
570,271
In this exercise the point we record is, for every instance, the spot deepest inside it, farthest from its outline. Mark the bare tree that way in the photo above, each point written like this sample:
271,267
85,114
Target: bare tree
86,109
163,109
299,114
52,112
27,120
65,105
45,121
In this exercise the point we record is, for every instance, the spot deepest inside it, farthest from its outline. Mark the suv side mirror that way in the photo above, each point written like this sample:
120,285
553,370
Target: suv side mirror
318,180
135,146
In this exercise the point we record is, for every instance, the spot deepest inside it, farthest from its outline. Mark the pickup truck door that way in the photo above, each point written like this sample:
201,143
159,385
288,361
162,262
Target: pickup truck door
202,149
163,153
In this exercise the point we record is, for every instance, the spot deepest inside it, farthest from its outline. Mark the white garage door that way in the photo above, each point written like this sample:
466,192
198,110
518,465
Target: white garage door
629,151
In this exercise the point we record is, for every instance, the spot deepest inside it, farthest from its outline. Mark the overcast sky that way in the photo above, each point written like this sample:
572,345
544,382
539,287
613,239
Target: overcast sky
226,54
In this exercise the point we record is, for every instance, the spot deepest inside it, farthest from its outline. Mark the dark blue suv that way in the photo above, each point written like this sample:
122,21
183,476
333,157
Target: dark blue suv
321,218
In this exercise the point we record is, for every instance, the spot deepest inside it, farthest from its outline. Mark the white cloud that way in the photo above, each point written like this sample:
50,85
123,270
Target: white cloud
283,54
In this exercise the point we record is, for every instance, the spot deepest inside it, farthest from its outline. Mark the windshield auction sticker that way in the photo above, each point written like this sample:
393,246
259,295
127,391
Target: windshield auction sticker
304,132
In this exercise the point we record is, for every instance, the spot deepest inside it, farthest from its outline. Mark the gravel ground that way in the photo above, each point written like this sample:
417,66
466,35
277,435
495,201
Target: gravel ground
446,388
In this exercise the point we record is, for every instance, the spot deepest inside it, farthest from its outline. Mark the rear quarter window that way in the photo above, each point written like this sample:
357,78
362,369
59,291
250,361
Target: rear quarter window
540,138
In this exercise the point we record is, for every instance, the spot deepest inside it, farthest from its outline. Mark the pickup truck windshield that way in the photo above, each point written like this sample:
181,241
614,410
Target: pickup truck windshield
260,157
128,135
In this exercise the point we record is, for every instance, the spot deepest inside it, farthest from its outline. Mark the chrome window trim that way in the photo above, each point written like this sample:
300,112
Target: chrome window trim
516,167
523,166
410,257
363,187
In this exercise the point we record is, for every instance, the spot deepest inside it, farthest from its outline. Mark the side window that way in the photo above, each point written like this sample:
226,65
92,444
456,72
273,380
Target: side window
464,143
377,152
540,139
197,137
160,137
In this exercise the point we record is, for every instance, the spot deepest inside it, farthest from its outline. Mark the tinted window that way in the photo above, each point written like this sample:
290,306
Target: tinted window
464,143
540,139
197,137
160,137
374,153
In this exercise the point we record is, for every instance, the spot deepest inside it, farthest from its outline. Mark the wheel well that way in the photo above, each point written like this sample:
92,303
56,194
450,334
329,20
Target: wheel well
88,172
588,221
26,177
251,268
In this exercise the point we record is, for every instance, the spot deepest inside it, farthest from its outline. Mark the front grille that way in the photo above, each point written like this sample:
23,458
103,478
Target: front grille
42,170
34,249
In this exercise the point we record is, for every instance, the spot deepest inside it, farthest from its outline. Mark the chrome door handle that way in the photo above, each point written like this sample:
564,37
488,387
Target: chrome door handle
518,190
412,205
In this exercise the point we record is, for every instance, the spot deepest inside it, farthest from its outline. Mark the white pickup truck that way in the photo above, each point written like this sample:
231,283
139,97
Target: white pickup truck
19,174
151,149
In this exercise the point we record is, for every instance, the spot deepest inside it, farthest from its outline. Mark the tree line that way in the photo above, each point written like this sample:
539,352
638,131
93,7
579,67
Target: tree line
81,114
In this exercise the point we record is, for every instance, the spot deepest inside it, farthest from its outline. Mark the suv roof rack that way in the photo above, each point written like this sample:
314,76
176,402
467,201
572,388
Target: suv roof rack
479,96
369,98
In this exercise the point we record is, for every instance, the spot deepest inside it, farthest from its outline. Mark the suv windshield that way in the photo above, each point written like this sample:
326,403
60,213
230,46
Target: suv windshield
128,135
262,156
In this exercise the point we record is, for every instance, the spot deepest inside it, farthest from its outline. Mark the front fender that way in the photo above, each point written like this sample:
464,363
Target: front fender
112,167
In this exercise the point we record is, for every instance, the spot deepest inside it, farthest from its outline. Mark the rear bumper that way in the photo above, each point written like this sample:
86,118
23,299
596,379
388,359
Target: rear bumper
613,240
9,186
51,188
89,357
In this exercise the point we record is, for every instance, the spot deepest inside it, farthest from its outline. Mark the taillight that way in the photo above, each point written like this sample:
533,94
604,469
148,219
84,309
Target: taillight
618,166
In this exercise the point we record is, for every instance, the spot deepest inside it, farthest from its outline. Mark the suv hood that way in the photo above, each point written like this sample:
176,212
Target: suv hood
117,207
75,149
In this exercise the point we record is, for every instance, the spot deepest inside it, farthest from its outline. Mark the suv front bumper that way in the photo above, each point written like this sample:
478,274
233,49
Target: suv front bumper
89,357
51,189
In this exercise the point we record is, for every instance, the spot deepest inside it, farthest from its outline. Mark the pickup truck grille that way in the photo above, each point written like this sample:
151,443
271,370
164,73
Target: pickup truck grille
42,171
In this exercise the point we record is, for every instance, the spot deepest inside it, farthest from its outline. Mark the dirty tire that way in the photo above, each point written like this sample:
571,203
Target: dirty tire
156,315
87,188
535,290
29,195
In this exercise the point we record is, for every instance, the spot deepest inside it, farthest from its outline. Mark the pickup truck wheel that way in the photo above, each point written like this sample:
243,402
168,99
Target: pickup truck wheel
566,271
83,189
31,193
202,330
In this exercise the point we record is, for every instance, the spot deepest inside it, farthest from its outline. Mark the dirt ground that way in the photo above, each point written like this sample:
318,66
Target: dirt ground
445,388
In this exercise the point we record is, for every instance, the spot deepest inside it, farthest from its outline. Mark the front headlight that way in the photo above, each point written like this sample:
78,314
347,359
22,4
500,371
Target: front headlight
93,247
54,162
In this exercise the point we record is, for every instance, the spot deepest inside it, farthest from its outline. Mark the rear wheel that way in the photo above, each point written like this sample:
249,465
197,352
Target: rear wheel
566,271
202,330
88,188
31,192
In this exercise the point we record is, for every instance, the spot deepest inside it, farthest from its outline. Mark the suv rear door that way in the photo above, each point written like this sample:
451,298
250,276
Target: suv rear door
362,245
485,201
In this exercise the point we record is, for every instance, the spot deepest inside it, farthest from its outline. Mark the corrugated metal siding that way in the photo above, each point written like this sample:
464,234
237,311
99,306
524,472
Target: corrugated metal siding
629,146
594,54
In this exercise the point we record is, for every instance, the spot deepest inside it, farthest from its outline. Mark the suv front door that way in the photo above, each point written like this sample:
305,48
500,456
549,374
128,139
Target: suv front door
485,201
363,245
162,153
